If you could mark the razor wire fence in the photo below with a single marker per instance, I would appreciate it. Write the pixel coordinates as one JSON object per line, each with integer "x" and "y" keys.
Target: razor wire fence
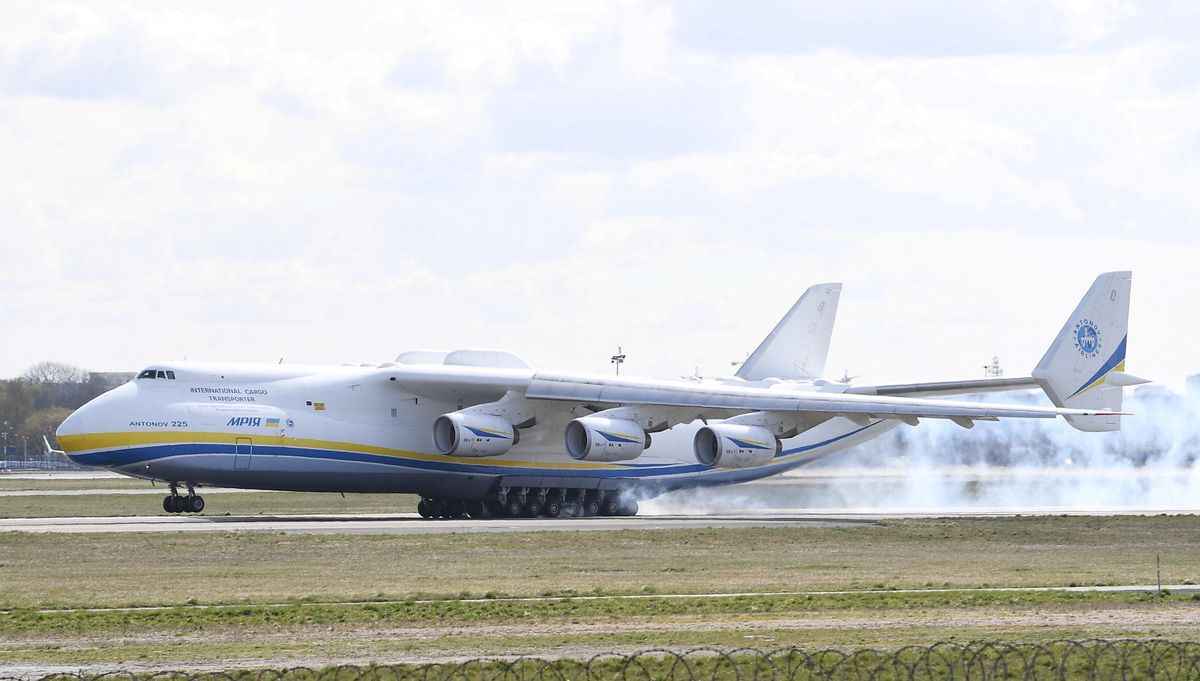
{"x": 1099, "y": 660}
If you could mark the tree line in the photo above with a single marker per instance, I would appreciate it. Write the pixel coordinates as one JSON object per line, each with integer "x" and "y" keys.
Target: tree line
{"x": 38, "y": 401}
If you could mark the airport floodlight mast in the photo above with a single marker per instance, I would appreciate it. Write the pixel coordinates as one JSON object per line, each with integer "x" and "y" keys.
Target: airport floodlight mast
{"x": 993, "y": 370}
{"x": 618, "y": 359}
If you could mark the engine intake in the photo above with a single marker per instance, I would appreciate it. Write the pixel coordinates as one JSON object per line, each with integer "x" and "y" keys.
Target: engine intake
{"x": 729, "y": 445}
{"x": 596, "y": 438}
{"x": 471, "y": 434}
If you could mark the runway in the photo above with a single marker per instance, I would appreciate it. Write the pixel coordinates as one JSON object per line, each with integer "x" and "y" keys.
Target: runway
{"x": 410, "y": 523}
{"x": 407, "y": 523}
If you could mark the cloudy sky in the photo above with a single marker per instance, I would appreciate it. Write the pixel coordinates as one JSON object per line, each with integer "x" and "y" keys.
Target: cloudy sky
{"x": 250, "y": 181}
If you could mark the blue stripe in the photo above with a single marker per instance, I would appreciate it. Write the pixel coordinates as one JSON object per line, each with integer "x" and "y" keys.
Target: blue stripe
{"x": 613, "y": 437}
{"x": 1117, "y": 357}
{"x": 142, "y": 454}
{"x": 484, "y": 433}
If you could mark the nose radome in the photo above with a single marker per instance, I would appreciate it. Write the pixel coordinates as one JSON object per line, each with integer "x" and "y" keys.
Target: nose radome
{"x": 75, "y": 424}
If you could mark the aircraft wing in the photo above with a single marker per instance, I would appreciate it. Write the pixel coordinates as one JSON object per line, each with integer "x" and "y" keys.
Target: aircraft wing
{"x": 608, "y": 391}
{"x": 935, "y": 389}
{"x": 478, "y": 385}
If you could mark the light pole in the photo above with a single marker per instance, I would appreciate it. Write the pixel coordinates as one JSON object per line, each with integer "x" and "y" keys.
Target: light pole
{"x": 618, "y": 359}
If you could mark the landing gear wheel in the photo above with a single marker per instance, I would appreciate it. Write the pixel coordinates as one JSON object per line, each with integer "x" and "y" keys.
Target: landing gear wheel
{"x": 591, "y": 508}
{"x": 533, "y": 508}
{"x": 571, "y": 509}
{"x": 494, "y": 508}
{"x": 455, "y": 509}
{"x": 513, "y": 508}
{"x": 194, "y": 504}
{"x": 610, "y": 507}
{"x": 474, "y": 509}
{"x": 629, "y": 508}
{"x": 423, "y": 509}
{"x": 553, "y": 508}
{"x": 169, "y": 504}
{"x": 437, "y": 508}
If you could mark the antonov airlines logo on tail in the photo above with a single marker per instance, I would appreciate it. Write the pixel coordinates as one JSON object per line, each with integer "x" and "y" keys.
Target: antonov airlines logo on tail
{"x": 1087, "y": 338}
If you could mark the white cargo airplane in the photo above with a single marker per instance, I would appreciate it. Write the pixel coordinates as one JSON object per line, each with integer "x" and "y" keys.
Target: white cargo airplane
{"x": 478, "y": 433}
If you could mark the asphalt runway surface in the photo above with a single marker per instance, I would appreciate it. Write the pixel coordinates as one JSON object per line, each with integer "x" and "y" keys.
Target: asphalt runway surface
{"x": 405, "y": 523}
{"x": 410, "y": 523}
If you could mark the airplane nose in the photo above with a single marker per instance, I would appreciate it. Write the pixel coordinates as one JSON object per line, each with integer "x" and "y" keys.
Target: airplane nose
{"x": 75, "y": 424}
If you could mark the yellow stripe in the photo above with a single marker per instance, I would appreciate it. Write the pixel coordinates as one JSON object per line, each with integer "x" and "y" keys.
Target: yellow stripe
{"x": 1120, "y": 367}
{"x": 76, "y": 444}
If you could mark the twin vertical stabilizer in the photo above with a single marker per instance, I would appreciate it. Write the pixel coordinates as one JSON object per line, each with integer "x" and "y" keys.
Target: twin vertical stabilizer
{"x": 1085, "y": 366}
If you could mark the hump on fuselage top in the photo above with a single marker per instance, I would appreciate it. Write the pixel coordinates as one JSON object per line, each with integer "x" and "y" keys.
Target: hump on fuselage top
{"x": 496, "y": 359}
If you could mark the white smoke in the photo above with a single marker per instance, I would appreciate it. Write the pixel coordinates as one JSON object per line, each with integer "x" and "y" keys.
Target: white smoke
{"x": 1011, "y": 466}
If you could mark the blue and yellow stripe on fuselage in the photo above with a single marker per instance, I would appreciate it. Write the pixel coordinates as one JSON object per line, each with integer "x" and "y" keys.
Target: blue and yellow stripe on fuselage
{"x": 128, "y": 451}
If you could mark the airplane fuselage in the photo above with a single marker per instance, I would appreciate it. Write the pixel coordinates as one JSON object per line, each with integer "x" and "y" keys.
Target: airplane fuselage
{"x": 346, "y": 429}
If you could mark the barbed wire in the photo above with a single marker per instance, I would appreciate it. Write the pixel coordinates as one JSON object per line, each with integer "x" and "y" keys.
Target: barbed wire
{"x": 1091, "y": 660}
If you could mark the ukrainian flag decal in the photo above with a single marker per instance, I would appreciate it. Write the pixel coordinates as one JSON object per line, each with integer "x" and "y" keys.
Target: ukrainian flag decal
{"x": 271, "y": 423}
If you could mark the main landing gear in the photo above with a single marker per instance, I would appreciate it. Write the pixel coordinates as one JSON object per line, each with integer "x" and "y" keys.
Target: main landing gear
{"x": 174, "y": 503}
{"x": 531, "y": 503}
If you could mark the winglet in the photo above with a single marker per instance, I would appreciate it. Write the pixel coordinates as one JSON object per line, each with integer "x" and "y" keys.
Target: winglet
{"x": 1085, "y": 366}
{"x": 799, "y": 343}
{"x": 49, "y": 449}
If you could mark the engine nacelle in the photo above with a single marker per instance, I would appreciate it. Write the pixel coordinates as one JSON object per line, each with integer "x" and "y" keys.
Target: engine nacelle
{"x": 472, "y": 434}
{"x": 729, "y": 445}
{"x": 596, "y": 438}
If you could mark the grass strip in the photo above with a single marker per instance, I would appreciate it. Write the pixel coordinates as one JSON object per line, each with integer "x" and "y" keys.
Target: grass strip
{"x": 428, "y": 613}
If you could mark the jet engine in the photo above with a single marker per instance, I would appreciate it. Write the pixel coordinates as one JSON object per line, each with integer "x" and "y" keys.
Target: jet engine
{"x": 465, "y": 433}
{"x": 596, "y": 438}
{"x": 729, "y": 445}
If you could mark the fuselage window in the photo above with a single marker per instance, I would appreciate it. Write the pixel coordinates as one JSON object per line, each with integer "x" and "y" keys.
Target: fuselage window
{"x": 148, "y": 373}
{"x": 162, "y": 374}
{"x": 171, "y": 375}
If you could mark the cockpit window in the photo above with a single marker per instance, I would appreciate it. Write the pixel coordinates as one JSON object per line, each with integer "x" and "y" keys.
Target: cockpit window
{"x": 157, "y": 373}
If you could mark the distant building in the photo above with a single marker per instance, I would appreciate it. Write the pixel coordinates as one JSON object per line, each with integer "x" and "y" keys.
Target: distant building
{"x": 111, "y": 379}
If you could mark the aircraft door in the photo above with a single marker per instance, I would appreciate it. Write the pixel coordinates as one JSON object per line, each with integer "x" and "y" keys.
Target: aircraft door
{"x": 243, "y": 448}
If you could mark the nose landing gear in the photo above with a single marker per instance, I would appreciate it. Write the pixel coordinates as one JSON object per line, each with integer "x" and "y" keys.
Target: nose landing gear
{"x": 174, "y": 503}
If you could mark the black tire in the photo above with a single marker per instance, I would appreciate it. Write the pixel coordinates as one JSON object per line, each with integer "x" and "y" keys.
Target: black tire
{"x": 513, "y": 508}
{"x": 494, "y": 509}
{"x": 475, "y": 509}
{"x": 610, "y": 507}
{"x": 629, "y": 508}
{"x": 533, "y": 508}
{"x": 169, "y": 504}
{"x": 553, "y": 508}
{"x": 591, "y": 508}
{"x": 571, "y": 509}
{"x": 437, "y": 508}
{"x": 456, "y": 509}
{"x": 423, "y": 509}
{"x": 195, "y": 504}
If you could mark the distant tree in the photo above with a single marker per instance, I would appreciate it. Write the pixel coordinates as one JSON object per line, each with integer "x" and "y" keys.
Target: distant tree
{"x": 54, "y": 372}
{"x": 17, "y": 399}
{"x": 42, "y": 422}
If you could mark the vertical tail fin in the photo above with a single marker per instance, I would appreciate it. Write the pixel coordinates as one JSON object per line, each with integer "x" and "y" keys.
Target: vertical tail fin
{"x": 797, "y": 346}
{"x": 1084, "y": 367}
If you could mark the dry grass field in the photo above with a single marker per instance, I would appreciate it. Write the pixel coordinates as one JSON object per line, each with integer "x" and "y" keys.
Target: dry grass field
{"x": 269, "y": 598}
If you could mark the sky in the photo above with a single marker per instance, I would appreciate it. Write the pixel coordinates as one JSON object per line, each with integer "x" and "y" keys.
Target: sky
{"x": 256, "y": 181}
